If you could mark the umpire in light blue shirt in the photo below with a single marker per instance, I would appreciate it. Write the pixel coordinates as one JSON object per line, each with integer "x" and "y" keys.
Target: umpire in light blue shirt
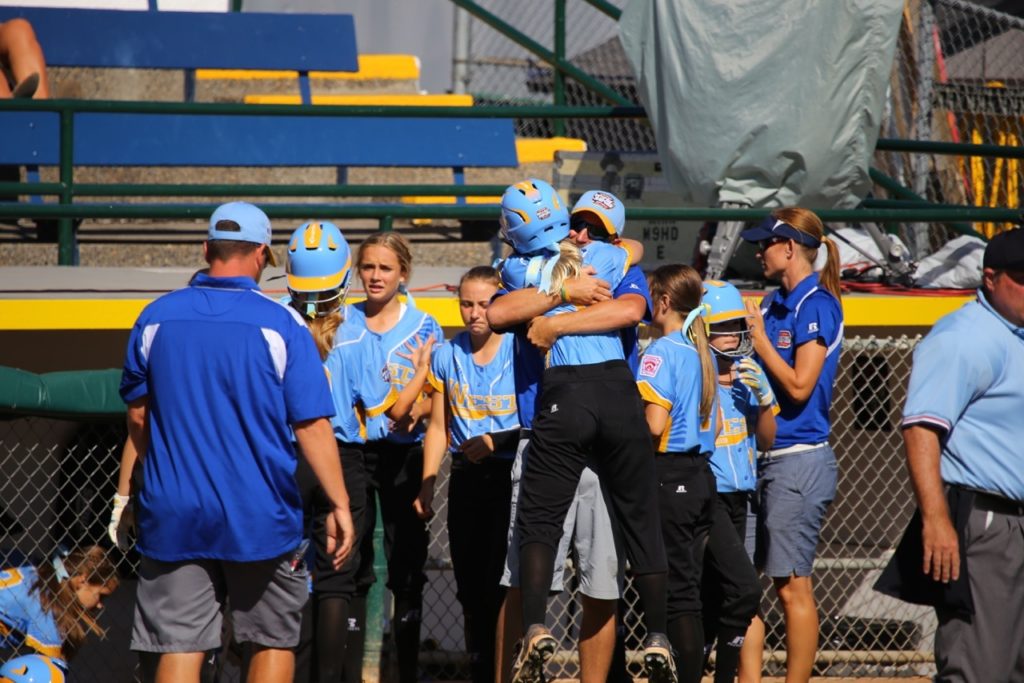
{"x": 963, "y": 428}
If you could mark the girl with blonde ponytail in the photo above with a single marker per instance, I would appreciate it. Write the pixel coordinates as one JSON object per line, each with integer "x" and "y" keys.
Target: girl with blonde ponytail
{"x": 797, "y": 334}
{"x": 678, "y": 382}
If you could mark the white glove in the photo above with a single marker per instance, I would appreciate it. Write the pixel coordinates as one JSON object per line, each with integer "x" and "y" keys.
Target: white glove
{"x": 122, "y": 522}
{"x": 750, "y": 373}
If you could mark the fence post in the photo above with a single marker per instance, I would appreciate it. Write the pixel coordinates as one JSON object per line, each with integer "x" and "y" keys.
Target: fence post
{"x": 373, "y": 650}
{"x": 559, "y": 84}
{"x": 67, "y": 250}
{"x": 386, "y": 223}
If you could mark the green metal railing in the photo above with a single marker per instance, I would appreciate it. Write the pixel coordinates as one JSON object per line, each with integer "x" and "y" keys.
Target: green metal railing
{"x": 910, "y": 207}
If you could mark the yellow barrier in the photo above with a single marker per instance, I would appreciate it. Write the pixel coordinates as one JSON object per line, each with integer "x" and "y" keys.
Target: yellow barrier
{"x": 382, "y": 100}
{"x": 371, "y": 68}
{"x": 120, "y": 314}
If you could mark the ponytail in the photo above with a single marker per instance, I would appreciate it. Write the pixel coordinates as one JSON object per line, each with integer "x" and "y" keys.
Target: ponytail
{"x": 698, "y": 334}
{"x": 569, "y": 264}
{"x": 829, "y": 276}
{"x": 684, "y": 289}
{"x": 324, "y": 330}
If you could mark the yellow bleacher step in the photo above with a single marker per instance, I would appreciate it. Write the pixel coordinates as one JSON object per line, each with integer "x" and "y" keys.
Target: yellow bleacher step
{"x": 380, "y": 100}
{"x": 371, "y": 68}
{"x": 528, "y": 151}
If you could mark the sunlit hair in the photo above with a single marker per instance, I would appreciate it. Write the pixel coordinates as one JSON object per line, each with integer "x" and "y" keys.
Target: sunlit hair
{"x": 482, "y": 274}
{"x": 58, "y": 597}
{"x": 807, "y": 221}
{"x": 685, "y": 289}
{"x": 568, "y": 265}
{"x": 398, "y": 245}
{"x": 323, "y": 330}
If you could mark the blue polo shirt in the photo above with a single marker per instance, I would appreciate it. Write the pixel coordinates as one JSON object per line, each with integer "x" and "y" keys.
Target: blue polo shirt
{"x": 967, "y": 382}
{"x": 806, "y": 314}
{"x": 226, "y": 371}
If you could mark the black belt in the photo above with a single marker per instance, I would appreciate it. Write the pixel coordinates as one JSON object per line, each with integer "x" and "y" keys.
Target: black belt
{"x": 993, "y": 503}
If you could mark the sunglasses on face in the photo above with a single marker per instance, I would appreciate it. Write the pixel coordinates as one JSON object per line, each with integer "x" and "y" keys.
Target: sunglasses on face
{"x": 764, "y": 244}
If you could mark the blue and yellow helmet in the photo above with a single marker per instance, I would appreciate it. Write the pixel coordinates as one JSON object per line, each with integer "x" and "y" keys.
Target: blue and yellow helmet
{"x": 725, "y": 303}
{"x": 533, "y": 217}
{"x": 319, "y": 268}
{"x": 32, "y": 669}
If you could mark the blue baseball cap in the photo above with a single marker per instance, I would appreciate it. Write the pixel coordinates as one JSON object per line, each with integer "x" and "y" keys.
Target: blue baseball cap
{"x": 241, "y": 222}
{"x": 606, "y": 208}
{"x": 773, "y": 227}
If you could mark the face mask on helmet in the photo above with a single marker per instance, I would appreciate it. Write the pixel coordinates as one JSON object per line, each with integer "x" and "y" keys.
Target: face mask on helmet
{"x": 732, "y": 328}
{"x": 319, "y": 304}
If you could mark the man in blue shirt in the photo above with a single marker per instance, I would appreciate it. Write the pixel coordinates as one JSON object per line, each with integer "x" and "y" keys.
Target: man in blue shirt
{"x": 216, "y": 377}
{"x": 963, "y": 430}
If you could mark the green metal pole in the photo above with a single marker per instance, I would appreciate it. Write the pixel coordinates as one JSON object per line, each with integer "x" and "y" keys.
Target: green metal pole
{"x": 387, "y": 223}
{"x": 236, "y": 5}
{"x": 374, "y": 626}
{"x": 65, "y": 226}
{"x": 559, "y": 124}
{"x": 536, "y": 48}
{"x": 892, "y": 185}
{"x": 606, "y": 7}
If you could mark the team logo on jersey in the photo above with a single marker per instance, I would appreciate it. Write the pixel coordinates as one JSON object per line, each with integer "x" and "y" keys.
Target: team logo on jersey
{"x": 813, "y": 327}
{"x": 785, "y": 339}
{"x": 543, "y": 213}
{"x": 385, "y": 374}
{"x": 603, "y": 200}
{"x": 649, "y": 365}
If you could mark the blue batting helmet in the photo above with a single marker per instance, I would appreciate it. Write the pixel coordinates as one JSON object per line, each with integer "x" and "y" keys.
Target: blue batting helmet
{"x": 725, "y": 303}
{"x": 319, "y": 268}
{"x": 31, "y": 669}
{"x": 533, "y": 217}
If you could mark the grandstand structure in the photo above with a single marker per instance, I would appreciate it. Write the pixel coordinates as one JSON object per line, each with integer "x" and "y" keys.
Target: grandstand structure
{"x": 546, "y": 83}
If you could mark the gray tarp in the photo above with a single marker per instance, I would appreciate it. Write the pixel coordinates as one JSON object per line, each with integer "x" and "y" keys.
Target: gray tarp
{"x": 764, "y": 103}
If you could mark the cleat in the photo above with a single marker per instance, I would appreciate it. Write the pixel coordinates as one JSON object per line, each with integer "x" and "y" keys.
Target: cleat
{"x": 658, "y": 660}
{"x": 534, "y": 651}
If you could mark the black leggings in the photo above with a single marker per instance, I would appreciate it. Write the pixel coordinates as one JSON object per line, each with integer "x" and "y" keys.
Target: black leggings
{"x": 479, "y": 498}
{"x": 590, "y": 411}
{"x": 394, "y": 473}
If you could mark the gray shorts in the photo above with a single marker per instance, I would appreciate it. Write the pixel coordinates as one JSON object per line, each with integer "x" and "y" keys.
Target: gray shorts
{"x": 587, "y": 529}
{"x": 795, "y": 492}
{"x": 179, "y": 605}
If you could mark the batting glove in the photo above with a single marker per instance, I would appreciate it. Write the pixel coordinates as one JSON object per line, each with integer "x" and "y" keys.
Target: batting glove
{"x": 750, "y": 373}
{"x": 122, "y": 522}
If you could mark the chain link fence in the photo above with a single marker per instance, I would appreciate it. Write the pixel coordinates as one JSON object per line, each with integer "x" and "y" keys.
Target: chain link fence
{"x": 957, "y": 76}
{"x": 57, "y": 478}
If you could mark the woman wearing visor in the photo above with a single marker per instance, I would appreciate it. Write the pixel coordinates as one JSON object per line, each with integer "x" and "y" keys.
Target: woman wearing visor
{"x": 797, "y": 334}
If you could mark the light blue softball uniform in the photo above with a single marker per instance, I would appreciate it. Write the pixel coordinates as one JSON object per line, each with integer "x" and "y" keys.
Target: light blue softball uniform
{"x": 734, "y": 461}
{"x": 480, "y": 398}
{"x": 611, "y": 262}
{"x": 670, "y": 376}
{"x": 360, "y": 383}
{"x": 413, "y": 324}
{"x": 22, "y": 619}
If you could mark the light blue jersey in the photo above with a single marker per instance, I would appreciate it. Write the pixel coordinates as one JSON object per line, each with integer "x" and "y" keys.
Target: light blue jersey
{"x": 413, "y": 324}
{"x": 480, "y": 398}
{"x": 967, "y": 383}
{"x": 360, "y": 383}
{"x": 734, "y": 461}
{"x": 22, "y": 619}
{"x": 611, "y": 263}
{"x": 670, "y": 376}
